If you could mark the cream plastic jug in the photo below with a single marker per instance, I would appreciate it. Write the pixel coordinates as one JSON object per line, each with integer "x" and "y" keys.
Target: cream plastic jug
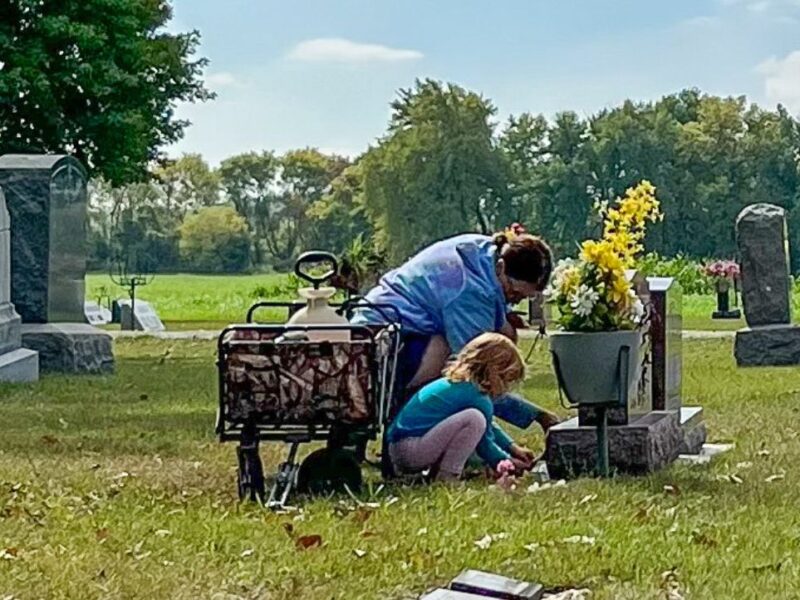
{"x": 317, "y": 310}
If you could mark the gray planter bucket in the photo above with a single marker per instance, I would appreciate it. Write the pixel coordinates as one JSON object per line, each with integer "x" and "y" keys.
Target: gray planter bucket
{"x": 589, "y": 364}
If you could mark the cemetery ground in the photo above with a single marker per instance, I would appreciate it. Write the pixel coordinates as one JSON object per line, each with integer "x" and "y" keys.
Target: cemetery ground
{"x": 116, "y": 487}
{"x": 195, "y": 302}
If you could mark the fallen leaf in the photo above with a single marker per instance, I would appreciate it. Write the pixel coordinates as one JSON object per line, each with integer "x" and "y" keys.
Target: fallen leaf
{"x": 246, "y": 553}
{"x": 101, "y": 534}
{"x": 362, "y": 515}
{"x": 360, "y": 553}
{"x": 576, "y": 594}
{"x": 699, "y": 537}
{"x": 367, "y": 534}
{"x": 643, "y": 513}
{"x": 764, "y": 453}
{"x": 50, "y": 440}
{"x": 484, "y": 542}
{"x": 776, "y": 477}
{"x": 672, "y": 490}
{"x": 579, "y": 539}
{"x": 9, "y": 553}
{"x": 422, "y": 531}
{"x": 532, "y": 547}
{"x": 304, "y": 542}
{"x": 488, "y": 540}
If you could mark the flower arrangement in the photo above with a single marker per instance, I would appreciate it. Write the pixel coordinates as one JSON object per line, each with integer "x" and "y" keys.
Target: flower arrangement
{"x": 722, "y": 269}
{"x": 592, "y": 292}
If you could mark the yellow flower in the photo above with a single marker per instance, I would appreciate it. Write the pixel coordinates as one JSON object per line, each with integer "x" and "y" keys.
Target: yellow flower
{"x": 620, "y": 288}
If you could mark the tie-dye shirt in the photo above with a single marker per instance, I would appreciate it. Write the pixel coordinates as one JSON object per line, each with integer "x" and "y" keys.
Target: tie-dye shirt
{"x": 450, "y": 288}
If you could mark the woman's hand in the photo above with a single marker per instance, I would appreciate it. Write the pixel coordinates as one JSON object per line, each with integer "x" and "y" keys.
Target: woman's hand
{"x": 516, "y": 321}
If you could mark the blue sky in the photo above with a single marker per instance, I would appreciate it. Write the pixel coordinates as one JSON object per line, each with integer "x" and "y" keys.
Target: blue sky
{"x": 321, "y": 73}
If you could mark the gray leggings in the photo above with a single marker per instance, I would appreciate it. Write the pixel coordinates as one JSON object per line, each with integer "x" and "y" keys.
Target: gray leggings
{"x": 444, "y": 449}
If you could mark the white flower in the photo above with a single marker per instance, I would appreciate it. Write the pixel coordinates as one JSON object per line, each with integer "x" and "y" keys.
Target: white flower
{"x": 584, "y": 300}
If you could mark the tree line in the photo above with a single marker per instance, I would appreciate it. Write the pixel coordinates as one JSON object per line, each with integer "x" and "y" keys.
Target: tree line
{"x": 444, "y": 167}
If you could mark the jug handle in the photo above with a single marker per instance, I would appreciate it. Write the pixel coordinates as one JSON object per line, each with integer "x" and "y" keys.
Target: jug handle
{"x": 312, "y": 258}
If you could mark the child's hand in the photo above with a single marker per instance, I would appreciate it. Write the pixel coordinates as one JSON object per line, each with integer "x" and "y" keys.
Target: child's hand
{"x": 522, "y": 457}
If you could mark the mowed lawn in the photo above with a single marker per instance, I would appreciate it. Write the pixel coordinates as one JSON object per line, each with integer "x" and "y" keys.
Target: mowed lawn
{"x": 115, "y": 487}
{"x": 211, "y": 302}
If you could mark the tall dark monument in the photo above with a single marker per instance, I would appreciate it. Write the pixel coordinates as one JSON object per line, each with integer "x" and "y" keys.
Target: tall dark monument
{"x": 46, "y": 199}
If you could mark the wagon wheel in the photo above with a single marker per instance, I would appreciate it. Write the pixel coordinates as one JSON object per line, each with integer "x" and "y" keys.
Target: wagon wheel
{"x": 250, "y": 475}
{"x": 329, "y": 470}
{"x": 343, "y": 437}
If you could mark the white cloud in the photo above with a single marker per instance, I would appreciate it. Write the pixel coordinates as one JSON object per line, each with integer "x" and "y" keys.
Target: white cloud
{"x": 782, "y": 80}
{"x": 346, "y": 51}
{"x": 223, "y": 79}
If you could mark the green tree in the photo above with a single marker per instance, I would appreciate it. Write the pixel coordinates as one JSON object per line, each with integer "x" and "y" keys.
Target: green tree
{"x": 215, "y": 239}
{"x": 99, "y": 79}
{"x": 132, "y": 224}
{"x": 436, "y": 172}
{"x": 249, "y": 182}
{"x": 188, "y": 183}
{"x": 338, "y": 218}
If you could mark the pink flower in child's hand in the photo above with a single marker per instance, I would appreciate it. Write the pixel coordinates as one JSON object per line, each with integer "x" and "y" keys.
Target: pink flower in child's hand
{"x": 505, "y": 467}
{"x": 505, "y": 470}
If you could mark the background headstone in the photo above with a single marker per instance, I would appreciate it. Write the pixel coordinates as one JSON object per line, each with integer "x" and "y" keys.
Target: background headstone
{"x": 17, "y": 364}
{"x": 46, "y": 197}
{"x": 762, "y": 238}
{"x": 95, "y": 314}
{"x": 770, "y": 339}
{"x": 143, "y": 319}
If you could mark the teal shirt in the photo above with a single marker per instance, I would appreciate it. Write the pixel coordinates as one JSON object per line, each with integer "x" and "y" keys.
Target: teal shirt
{"x": 441, "y": 399}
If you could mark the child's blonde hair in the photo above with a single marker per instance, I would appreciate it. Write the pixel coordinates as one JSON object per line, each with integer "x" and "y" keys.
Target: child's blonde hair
{"x": 491, "y": 361}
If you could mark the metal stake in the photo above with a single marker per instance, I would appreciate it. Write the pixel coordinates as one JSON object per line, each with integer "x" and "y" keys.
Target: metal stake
{"x": 602, "y": 442}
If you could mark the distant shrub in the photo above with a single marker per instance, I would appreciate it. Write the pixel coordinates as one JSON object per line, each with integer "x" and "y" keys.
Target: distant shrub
{"x": 688, "y": 273}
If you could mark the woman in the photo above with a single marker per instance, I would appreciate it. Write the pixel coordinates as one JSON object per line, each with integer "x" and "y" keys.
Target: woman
{"x": 452, "y": 292}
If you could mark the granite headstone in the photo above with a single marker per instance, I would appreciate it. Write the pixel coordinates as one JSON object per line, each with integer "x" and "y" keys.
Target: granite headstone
{"x": 95, "y": 314}
{"x": 642, "y": 442}
{"x": 46, "y": 197}
{"x": 770, "y": 339}
{"x": 17, "y": 364}
{"x": 143, "y": 319}
{"x": 764, "y": 248}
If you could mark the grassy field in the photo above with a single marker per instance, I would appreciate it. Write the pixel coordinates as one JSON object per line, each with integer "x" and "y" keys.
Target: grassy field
{"x": 211, "y": 302}
{"x": 115, "y": 487}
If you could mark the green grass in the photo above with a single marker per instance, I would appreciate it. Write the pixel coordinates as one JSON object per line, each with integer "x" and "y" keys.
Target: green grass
{"x": 186, "y": 302}
{"x": 115, "y": 487}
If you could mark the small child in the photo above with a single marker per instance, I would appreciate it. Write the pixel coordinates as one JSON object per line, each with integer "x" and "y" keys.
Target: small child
{"x": 451, "y": 418}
